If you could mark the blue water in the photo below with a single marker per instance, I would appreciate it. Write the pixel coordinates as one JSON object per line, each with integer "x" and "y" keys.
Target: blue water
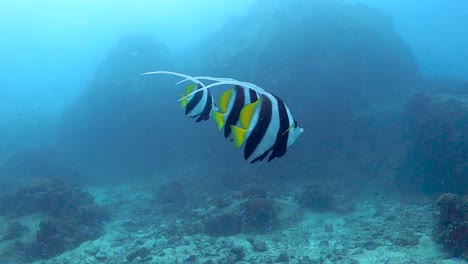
{"x": 379, "y": 86}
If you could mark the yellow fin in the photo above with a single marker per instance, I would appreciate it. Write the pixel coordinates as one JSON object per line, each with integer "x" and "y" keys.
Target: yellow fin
{"x": 247, "y": 113}
{"x": 219, "y": 119}
{"x": 190, "y": 88}
{"x": 183, "y": 100}
{"x": 239, "y": 135}
{"x": 224, "y": 100}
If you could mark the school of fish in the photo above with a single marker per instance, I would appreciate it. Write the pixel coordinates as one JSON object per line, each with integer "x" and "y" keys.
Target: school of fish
{"x": 248, "y": 115}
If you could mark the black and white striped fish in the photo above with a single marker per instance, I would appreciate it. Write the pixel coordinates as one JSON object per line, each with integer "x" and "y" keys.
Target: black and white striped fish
{"x": 199, "y": 104}
{"x": 230, "y": 105}
{"x": 253, "y": 117}
{"x": 266, "y": 126}
{"x": 267, "y": 129}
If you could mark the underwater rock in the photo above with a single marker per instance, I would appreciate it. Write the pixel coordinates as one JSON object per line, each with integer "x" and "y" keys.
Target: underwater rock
{"x": 94, "y": 214}
{"x": 73, "y": 216}
{"x": 101, "y": 256}
{"x": 283, "y": 258}
{"x": 254, "y": 192}
{"x": 315, "y": 199}
{"x": 58, "y": 235}
{"x": 451, "y": 229}
{"x": 191, "y": 259}
{"x": 51, "y": 238}
{"x": 172, "y": 196}
{"x": 113, "y": 124}
{"x": 236, "y": 254}
{"x": 222, "y": 202}
{"x": 259, "y": 214}
{"x": 436, "y": 129}
{"x": 15, "y": 230}
{"x": 450, "y": 208}
{"x": 223, "y": 225}
{"x": 48, "y": 195}
{"x": 259, "y": 246}
{"x": 406, "y": 239}
{"x": 141, "y": 252}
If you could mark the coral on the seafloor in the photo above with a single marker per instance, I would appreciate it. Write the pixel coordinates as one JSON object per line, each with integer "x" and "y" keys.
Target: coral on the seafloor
{"x": 316, "y": 199}
{"x": 141, "y": 253}
{"x": 451, "y": 229}
{"x": 171, "y": 196}
{"x": 72, "y": 217}
{"x": 223, "y": 225}
{"x": 47, "y": 195}
{"x": 15, "y": 230}
{"x": 259, "y": 214}
{"x": 254, "y": 192}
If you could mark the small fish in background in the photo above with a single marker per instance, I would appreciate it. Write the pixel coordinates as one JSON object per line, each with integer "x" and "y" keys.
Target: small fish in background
{"x": 256, "y": 119}
{"x": 230, "y": 105}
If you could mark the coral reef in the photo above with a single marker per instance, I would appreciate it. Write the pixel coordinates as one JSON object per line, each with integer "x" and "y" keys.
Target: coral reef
{"x": 223, "y": 225}
{"x": 72, "y": 216}
{"x": 47, "y": 195}
{"x": 259, "y": 214}
{"x": 254, "y": 192}
{"x": 171, "y": 196}
{"x": 15, "y": 230}
{"x": 316, "y": 199}
{"x": 451, "y": 229}
{"x": 138, "y": 253}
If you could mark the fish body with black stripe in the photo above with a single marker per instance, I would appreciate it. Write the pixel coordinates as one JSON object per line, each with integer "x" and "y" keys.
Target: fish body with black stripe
{"x": 251, "y": 117}
{"x": 230, "y": 105}
{"x": 266, "y": 127}
{"x": 199, "y": 104}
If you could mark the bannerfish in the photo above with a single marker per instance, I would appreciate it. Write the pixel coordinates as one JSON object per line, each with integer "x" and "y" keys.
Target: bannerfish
{"x": 265, "y": 127}
{"x": 230, "y": 105}
{"x": 197, "y": 104}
